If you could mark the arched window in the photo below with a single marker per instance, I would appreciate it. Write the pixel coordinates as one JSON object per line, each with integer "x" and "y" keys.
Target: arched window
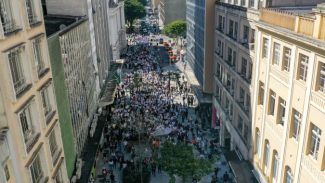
{"x": 288, "y": 175}
{"x": 257, "y": 141}
{"x": 275, "y": 166}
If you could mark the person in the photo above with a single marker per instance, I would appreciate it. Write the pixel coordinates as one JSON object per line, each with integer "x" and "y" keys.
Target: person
{"x": 216, "y": 170}
{"x": 112, "y": 177}
{"x": 214, "y": 179}
{"x": 225, "y": 177}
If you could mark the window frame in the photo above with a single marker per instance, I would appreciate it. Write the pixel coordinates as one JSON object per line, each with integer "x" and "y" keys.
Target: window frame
{"x": 286, "y": 61}
{"x": 303, "y": 67}
{"x": 38, "y": 170}
{"x": 321, "y": 77}
{"x": 272, "y": 97}
{"x": 315, "y": 139}
{"x": 296, "y": 122}
{"x": 276, "y": 53}
{"x": 265, "y": 48}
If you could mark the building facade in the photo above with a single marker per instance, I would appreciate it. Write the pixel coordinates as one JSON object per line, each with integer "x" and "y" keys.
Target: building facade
{"x": 167, "y": 13}
{"x": 234, "y": 56}
{"x": 117, "y": 31}
{"x": 288, "y": 129}
{"x": 103, "y": 47}
{"x": 31, "y": 147}
{"x": 200, "y": 29}
{"x": 78, "y": 71}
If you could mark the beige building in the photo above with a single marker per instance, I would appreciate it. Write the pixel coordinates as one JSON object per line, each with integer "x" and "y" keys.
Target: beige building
{"x": 288, "y": 128}
{"x": 30, "y": 136}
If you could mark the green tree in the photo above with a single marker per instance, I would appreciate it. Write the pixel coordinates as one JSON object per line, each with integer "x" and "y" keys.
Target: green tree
{"x": 176, "y": 29}
{"x": 133, "y": 10}
{"x": 180, "y": 160}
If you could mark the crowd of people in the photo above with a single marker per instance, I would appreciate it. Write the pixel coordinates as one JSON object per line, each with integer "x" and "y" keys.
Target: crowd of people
{"x": 150, "y": 107}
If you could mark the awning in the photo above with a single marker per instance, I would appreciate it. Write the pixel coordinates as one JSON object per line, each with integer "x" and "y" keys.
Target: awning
{"x": 108, "y": 92}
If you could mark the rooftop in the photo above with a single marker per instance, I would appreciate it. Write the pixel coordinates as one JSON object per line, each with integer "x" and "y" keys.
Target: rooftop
{"x": 54, "y": 23}
{"x": 300, "y": 10}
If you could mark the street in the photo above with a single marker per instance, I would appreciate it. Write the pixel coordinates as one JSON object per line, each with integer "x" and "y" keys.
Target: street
{"x": 154, "y": 104}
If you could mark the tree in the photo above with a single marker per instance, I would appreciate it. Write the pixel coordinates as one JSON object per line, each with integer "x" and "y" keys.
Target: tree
{"x": 180, "y": 160}
{"x": 176, "y": 29}
{"x": 133, "y": 10}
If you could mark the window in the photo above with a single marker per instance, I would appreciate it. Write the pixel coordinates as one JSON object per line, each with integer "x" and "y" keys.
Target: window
{"x": 46, "y": 101}
{"x": 257, "y": 141}
{"x": 248, "y": 102}
{"x": 36, "y": 170}
{"x": 303, "y": 67}
{"x": 276, "y": 54}
{"x": 220, "y": 23}
{"x": 219, "y": 71}
{"x": 272, "y": 102}
{"x": 252, "y": 40}
{"x": 282, "y": 110}
{"x": 31, "y": 11}
{"x": 261, "y": 93}
{"x": 275, "y": 166}
{"x": 52, "y": 143}
{"x": 243, "y": 2}
{"x": 251, "y": 3}
{"x": 314, "y": 141}
{"x": 321, "y": 85}
{"x": 265, "y": 48}
{"x": 245, "y": 133}
{"x": 241, "y": 95}
{"x": 7, "y": 172}
{"x": 229, "y": 55}
{"x": 235, "y": 1}
{"x": 58, "y": 177}
{"x": 288, "y": 176}
{"x": 245, "y": 34}
{"x": 296, "y": 124}
{"x": 240, "y": 124}
{"x": 236, "y": 30}
{"x": 26, "y": 123}
{"x": 266, "y": 156}
{"x": 6, "y": 16}
{"x": 231, "y": 28}
{"x": 286, "y": 59}
{"x": 38, "y": 56}
{"x": 16, "y": 68}
{"x": 243, "y": 71}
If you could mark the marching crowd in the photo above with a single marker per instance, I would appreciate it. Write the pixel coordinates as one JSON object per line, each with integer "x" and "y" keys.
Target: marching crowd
{"x": 149, "y": 105}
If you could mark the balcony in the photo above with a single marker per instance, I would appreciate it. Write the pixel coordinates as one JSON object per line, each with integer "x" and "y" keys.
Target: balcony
{"x": 312, "y": 24}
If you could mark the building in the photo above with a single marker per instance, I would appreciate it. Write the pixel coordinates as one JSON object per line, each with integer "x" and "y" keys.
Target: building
{"x": 200, "y": 29}
{"x": 102, "y": 39}
{"x": 31, "y": 147}
{"x": 167, "y": 13}
{"x": 288, "y": 109}
{"x": 74, "y": 79}
{"x": 117, "y": 30}
{"x": 234, "y": 56}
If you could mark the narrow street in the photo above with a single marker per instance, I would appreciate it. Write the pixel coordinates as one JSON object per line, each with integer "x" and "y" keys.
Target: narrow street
{"x": 153, "y": 104}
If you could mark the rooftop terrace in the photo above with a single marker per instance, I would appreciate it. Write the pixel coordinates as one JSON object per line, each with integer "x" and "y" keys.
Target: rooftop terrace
{"x": 304, "y": 20}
